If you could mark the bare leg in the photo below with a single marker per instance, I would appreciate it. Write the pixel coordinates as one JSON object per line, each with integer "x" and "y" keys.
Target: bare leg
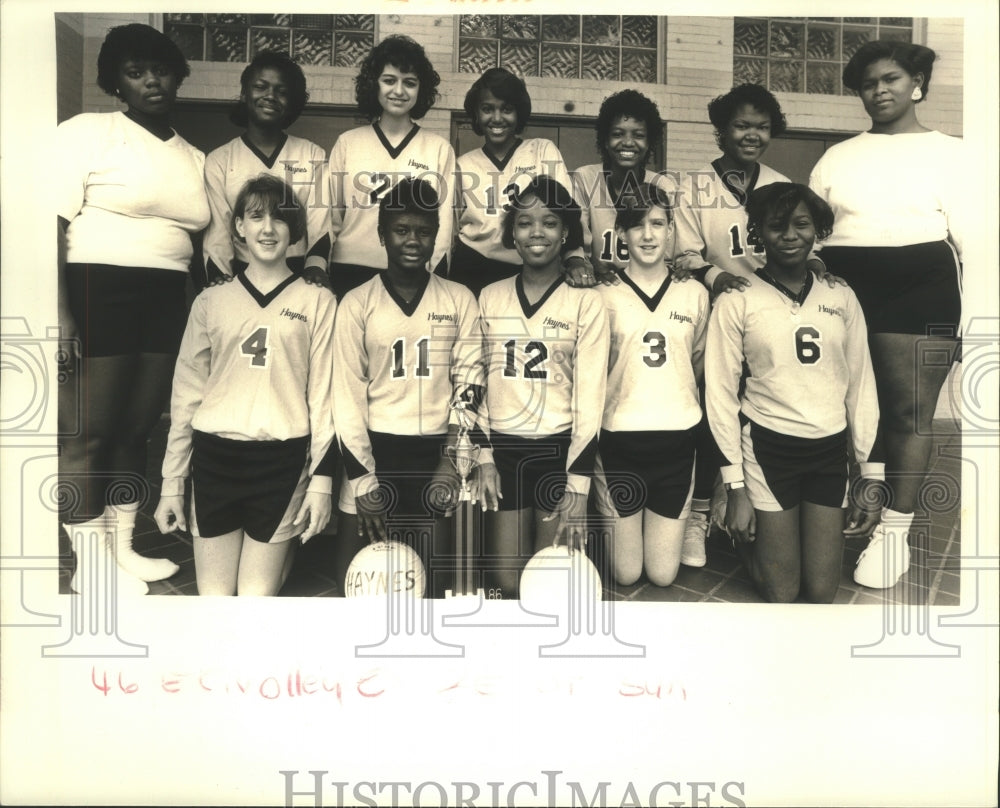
{"x": 774, "y": 558}
{"x": 822, "y": 551}
{"x": 217, "y": 563}
{"x": 664, "y": 538}
{"x": 627, "y": 550}
{"x": 261, "y": 565}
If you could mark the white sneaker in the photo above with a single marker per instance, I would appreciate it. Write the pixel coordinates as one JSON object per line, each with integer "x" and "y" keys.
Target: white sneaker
{"x": 881, "y": 565}
{"x": 695, "y": 533}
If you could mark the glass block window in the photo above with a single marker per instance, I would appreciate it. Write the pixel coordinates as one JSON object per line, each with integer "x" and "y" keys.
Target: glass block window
{"x": 806, "y": 54}
{"x": 602, "y": 47}
{"x": 341, "y": 40}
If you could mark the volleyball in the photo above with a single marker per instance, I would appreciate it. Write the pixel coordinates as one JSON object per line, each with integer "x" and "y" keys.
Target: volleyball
{"x": 555, "y": 574}
{"x": 385, "y": 568}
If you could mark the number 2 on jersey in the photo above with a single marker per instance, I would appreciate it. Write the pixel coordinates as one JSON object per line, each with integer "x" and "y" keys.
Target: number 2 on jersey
{"x": 422, "y": 369}
{"x": 255, "y": 346}
{"x": 531, "y": 370}
{"x": 753, "y": 242}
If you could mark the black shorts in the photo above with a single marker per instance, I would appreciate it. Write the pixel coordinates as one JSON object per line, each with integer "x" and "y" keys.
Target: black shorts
{"x": 121, "y": 311}
{"x": 252, "y": 485}
{"x": 475, "y": 271}
{"x": 404, "y": 465}
{"x": 649, "y": 470}
{"x": 782, "y": 471}
{"x": 532, "y": 470}
{"x": 914, "y": 289}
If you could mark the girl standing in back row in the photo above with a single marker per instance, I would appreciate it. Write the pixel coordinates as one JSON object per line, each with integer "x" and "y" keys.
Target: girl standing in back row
{"x": 395, "y": 87}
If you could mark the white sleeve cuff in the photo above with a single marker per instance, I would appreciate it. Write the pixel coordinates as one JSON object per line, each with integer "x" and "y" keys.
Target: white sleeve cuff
{"x": 873, "y": 471}
{"x": 320, "y": 484}
{"x": 732, "y": 474}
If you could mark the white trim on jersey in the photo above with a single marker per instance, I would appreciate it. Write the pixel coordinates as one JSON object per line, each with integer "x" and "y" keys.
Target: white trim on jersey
{"x": 810, "y": 373}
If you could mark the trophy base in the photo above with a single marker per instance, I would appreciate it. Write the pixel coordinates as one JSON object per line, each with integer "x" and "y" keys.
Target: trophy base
{"x": 478, "y": 593}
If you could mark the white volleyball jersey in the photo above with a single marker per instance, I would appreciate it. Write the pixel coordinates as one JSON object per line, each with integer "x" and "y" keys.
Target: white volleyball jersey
{"x": 487, "y": 186}
{"x": 300, "y": 163}
{"x": 598, "y": 206}
{"x": 810, "y": 373}
{"x": 253, "y": 366}
{"x": 547, "y": 366}
{"x": 657, "y": 353}
{"x": 363, "y": 167}
{"x": 711, "y": 222}
{"x": 399, "y": 367}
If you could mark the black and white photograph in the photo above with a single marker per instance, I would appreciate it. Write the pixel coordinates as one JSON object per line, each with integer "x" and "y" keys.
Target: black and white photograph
{"x": 423, "y": 407}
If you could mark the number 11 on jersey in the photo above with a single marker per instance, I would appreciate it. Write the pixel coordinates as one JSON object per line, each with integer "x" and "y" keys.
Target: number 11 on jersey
{"x": 422, "y": 368}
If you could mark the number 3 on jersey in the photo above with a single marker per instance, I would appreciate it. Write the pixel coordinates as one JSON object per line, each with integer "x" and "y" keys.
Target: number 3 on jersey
{"x": 255, "y": 346}
{"x": 657, "y": 356}
{"x": 807, "y": 340}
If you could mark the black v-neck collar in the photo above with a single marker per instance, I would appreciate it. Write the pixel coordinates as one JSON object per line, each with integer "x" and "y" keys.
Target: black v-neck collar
{"x": 652, "y": 303}
{"x": 395, "y": 151}
{"x": 526, "y": 307}
{"x": 741, "y": 194}
{"x": 799, "y": 298}
{"x": 406, "y": 308}
{"x": 268, "y": 161}
{"x": 502, "y": 164}
{"x": 265, "y": 300}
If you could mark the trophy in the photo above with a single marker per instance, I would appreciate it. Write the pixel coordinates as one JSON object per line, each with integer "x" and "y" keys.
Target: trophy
{"x": 464, "y": 455}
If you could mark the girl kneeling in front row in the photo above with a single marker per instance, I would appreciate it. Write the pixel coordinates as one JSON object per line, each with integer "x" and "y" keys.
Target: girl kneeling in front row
{"x": 810, "y": 377}
{"x": 250, "y": 417}
{"x": 648, "y": 436}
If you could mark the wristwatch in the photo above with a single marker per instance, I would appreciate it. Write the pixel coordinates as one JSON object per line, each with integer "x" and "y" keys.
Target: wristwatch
{"x": 734, "y": 485}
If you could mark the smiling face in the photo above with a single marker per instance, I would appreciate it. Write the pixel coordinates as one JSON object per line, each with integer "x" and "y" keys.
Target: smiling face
{"x": 409, "y": 240}
{"x": 147, "y": 87}
{"x": 498, "y": 121}
{"x": 266, "y": 98}
{"x": 538, "y": 234}
{"x": 628, "y": 142}
{"x": 266, "y": 235}
{"x": 886, "y": 91}
{"x": 397, "y": 91}
{"x": 788, "y": 242}
{"x": 650, "y": 241}
{"x": 747, "y": 135}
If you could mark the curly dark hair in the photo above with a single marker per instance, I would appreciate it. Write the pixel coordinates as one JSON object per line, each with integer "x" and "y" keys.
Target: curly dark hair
{"x": 909, "y": 56}
{"x": 505, "y": 86}
{"x": 722, "y": 108}
{"x": 633, "y": 207}
{"x": 779, "y": 199}
{"x": 406, "y": 55}
{"x": 557, "y": 199}
{"x": 291, "y": 74}
{"x": 268, "y": 193}
{"x": 409, "y": 195}
{"x": 635, "y": 105}
{"x": 140, "y": 42}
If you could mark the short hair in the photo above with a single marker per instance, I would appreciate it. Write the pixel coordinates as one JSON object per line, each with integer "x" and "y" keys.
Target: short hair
{"x": 505, "y": 86}
{"x": 633, "y": 207}
{"x": 554, "y": 197}
{"x": 722, "y": 109}
{"x": 635, "y": 105}
{"x": 291, "y": 74}
{"x": 267, "y": 193}
{"x": 909, "y": 56}
{"x": 409, "y": 195}
{"x": 406, "y": 55}
{"x": 779, "y": 199}
{"x": 137, "y": 41}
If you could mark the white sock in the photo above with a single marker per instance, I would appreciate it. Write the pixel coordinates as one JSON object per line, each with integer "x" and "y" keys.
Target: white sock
{"x": 122, "y": 519}
{"x": 90, "y": 545}
{"x": 896, "y": 526}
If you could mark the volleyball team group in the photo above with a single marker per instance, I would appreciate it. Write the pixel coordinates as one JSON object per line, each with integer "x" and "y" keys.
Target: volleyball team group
{"x": 620, "y": 343}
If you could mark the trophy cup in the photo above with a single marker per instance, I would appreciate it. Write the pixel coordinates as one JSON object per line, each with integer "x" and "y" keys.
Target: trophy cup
{"x": 464, "y": 455}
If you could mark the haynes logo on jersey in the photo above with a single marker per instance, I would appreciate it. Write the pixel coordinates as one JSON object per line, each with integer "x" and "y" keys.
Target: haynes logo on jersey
{"x": 837, "y": 312}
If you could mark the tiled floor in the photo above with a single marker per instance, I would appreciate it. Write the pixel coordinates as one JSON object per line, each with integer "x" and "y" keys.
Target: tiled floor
{"x": 933, "y": 577}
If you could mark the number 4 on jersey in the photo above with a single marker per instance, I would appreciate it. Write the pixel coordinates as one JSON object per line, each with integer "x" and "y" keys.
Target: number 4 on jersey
{"x": 255, "y": 346}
